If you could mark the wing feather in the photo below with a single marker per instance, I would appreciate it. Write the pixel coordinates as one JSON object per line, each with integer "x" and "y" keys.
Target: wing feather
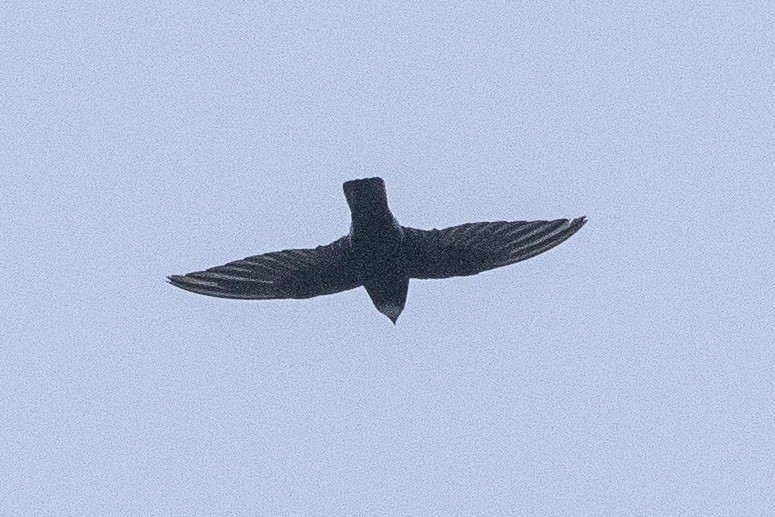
{"x": 299, "y": 273}
{"x": 471, "y": 248}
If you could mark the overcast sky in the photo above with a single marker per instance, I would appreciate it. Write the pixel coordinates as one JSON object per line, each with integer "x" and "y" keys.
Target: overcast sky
{"x": 627, "y": 372}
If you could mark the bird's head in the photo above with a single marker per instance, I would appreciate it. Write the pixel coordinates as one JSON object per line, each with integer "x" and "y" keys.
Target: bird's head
{"x": 366, "y": 195}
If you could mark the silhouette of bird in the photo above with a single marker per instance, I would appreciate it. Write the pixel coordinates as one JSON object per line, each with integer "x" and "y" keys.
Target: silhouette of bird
{"x": 380, "y": 255}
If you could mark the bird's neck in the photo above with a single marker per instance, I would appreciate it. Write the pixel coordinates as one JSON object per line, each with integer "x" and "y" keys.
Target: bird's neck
{"x": 373, "y": 222}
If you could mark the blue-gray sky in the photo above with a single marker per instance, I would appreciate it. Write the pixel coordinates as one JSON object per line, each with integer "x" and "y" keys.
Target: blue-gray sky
{"x": 627, "y": 372}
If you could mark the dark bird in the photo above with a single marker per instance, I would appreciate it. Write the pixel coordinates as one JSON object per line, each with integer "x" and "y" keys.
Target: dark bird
{"x": 380, "y": 255}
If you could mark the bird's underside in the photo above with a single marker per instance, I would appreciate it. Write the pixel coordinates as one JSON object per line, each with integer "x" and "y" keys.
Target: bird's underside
{"x": 461, "y": 250}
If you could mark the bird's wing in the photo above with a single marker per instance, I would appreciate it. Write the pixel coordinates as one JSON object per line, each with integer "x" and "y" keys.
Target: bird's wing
{"x": 301, "y": 273}
{"x": 471, "y": 248}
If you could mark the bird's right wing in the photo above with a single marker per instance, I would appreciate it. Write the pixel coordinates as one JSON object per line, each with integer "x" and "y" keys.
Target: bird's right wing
{"x": 301, "y": 273}
{"x": 471, "y": 248}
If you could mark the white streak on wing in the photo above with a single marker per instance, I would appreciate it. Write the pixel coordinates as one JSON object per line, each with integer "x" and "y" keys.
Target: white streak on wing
{"x": 235, "y": 269}
{"x": 223, "y": 276}
{"x": 503, "y": 228}
{"x": 267, "y": 264}
{"x": 197, "y": 281}
{"x": 521, "y": 228}
{"x": 549, "y": 236}
{"x": 538, "y": 250}
{"x": 550, "y": 241}
{"x": 523, "y": 238}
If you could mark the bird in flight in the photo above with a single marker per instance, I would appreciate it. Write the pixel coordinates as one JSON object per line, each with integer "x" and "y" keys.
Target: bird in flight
{"x": 380, "y": 255}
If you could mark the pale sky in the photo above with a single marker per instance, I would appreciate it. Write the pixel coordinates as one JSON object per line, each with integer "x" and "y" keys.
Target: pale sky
{"x": 629, "y": 371}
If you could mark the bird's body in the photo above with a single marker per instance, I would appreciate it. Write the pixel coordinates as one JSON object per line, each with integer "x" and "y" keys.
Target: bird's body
{"x": 377, "y": 242}
{"x": 380, "y": 255}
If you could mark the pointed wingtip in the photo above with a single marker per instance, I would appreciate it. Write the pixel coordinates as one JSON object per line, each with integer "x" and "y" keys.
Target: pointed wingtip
{"x": 177, "y": 280}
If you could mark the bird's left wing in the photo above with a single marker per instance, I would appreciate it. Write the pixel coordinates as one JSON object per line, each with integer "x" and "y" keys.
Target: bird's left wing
{"x": 471, "y": 248}
{"x": 301, "y": 273}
